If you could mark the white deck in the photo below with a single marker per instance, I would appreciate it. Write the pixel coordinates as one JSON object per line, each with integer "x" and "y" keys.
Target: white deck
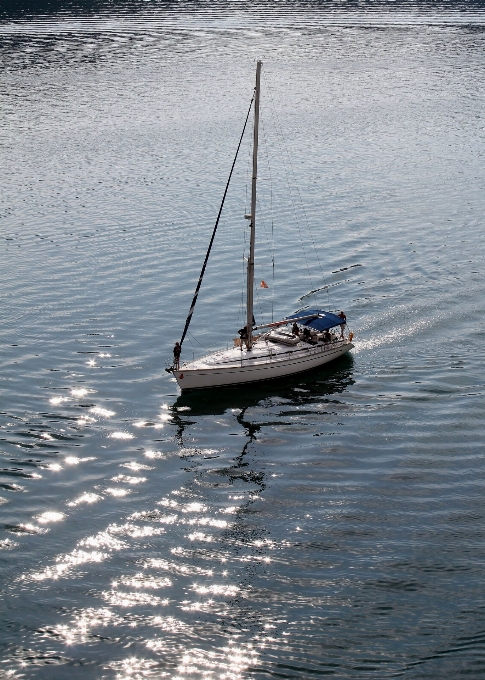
{"x": 265, "y": 361}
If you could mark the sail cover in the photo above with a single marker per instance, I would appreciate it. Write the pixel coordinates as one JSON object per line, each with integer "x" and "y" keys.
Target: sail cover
{"x": 319, "y": 320}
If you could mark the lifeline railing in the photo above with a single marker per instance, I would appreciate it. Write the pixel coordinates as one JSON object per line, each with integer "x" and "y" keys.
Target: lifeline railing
{"x": 321, "y": 348}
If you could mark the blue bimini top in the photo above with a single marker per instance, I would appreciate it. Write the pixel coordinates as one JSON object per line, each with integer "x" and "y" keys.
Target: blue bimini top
{"x": 317, "y": 319}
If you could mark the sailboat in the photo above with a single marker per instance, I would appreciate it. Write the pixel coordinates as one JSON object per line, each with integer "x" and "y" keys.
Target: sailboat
{"x": 298, "y": 343}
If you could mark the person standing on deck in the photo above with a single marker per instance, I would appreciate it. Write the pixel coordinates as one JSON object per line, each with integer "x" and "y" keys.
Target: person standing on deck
{"x": 342, "y": 325}
{"x": 177, "y": 350}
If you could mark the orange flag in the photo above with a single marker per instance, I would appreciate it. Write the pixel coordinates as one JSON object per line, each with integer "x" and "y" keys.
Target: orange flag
{"x": 264, "y": 284}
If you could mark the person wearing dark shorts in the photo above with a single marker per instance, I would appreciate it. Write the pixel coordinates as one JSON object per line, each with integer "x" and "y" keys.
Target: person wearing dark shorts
{"x": 177, "y": 350}
{"x": 342, "y": 325}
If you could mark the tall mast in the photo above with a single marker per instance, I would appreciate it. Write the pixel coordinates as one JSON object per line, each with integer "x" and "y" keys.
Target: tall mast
{"x": 250, "y": 276}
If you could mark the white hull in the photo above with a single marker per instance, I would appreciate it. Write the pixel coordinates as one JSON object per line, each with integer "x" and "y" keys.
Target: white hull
{"x": 263, "y": 362}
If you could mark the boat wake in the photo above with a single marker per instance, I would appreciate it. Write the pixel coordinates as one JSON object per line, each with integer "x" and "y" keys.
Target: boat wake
{"x": 393, "y": 336}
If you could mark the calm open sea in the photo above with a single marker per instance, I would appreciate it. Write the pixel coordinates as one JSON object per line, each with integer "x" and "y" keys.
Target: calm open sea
{"x": 332, "y": 524}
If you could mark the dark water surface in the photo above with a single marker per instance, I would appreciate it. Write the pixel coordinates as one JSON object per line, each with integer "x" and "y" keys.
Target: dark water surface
{"x": 327, "y": 525}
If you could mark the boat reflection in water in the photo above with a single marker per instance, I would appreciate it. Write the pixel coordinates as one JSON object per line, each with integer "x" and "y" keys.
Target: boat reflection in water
{"x": 232, "y": 444}
{"x": 308, "y": 387}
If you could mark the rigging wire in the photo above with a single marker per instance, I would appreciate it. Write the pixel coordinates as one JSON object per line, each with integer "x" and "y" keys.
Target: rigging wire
{"x": 272, "y": 284}
{"x": 270, "y": 243}
{"x": 262, "y": 221}
{"x": 260, "y": 305}
{"x": 246, "y": 229}
{"x": 278, "y": 126}
{"x": 199, "y": 283}
{"x": 192, "y": 337}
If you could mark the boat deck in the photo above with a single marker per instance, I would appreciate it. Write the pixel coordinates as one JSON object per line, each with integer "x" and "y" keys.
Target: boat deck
{"x": 263, "y": 351}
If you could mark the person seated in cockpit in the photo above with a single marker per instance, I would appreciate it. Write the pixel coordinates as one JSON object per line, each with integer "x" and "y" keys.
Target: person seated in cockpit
{"x": 309, "y": 336}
